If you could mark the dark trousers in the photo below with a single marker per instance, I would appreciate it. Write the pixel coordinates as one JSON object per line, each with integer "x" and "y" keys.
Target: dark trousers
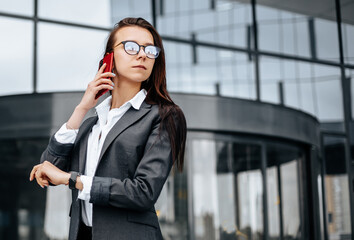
{"x": 85, "y": 232}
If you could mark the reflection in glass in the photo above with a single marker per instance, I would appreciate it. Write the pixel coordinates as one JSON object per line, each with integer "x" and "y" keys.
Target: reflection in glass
{"x": 223, "y": 72}
{"x": 290, "y": 200}
{"x": 68, "y": 57}
{"x": 205, "y": 194}
{"x": 250, "y": 204}
{"x": 326, "y": 40}
{"x": 227, "y": 191}
{"x": 313, "y": 88}
{"x": 249, "y": 201}
{"x": 299, "y": 32}
{"x": 87, "y": 12}
{"x": 348, "y": 39}
{"x": 131, "y": 8}
{"x": 171, "y": 207}
{"x": 284, "y": 191}
{"x": 283, "y": 31}
{"x": 225, "y": 22}
{"x": 273, "y": 203}
{"x": 16, "y": 58}
{"x": 337, "y": 189}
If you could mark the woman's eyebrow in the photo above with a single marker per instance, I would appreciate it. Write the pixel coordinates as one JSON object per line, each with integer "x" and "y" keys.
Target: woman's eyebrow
{"x": 148, "y": 43}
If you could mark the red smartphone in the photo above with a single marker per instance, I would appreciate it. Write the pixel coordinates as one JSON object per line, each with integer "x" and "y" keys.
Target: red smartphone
{"x": 108, "y": 59}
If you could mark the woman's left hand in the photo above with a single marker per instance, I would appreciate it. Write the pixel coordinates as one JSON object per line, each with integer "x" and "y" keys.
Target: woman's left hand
{"x": 46, "y": 172}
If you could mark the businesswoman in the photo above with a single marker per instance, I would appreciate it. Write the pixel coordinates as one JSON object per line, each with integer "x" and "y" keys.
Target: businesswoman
{"x": 117, "y": 162}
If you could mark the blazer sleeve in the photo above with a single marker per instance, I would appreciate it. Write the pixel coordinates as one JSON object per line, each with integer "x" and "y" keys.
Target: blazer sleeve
{"x": 60, "y": 154}
{"x": 141, "y": 192}
{"x": 57, "y": 153}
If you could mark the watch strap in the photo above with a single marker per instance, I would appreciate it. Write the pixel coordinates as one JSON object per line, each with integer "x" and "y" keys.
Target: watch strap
{"x": 72, "y": 180}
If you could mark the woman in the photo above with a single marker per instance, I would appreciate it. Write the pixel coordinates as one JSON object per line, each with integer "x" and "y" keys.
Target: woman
{"x": 117, "y": 162}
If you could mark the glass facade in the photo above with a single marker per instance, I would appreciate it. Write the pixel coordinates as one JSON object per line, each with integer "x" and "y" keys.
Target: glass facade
{"x": 228, "y": 175}
{"x": 62, "y": 47}
{"x": 20, "y": 61}
{"x": 276, "y": 52}
{"x": 337, "y": 190}
{"x": 22, "y": 205}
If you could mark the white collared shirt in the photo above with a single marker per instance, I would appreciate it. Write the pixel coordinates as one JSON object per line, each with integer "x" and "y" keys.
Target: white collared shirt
{"x": 106, "y": 120}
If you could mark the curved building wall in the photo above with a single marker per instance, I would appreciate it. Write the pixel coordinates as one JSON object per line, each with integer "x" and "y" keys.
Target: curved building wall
{"x": 41, "y": 114}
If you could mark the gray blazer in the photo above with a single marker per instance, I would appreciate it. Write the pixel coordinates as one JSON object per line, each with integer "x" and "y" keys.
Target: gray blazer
{"x": 135, "y": 161}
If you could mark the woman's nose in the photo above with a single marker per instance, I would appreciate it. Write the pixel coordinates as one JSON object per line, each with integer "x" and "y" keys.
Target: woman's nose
{"x": 141, "y": 52}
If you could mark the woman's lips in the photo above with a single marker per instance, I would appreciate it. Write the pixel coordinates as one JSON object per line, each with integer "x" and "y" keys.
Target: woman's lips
{"x": 140, "y": 66}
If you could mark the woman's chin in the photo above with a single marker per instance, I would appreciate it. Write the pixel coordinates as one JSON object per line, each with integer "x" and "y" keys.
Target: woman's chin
{"x": 138, "y": 78}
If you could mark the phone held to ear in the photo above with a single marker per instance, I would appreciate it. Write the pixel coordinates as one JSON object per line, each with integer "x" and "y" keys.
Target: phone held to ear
{"x": 108, "y": 59}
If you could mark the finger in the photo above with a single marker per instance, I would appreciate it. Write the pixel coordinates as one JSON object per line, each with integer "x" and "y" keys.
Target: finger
{"x": 102, "y": 68}
{"x": 103, "y": 86}
{"x": 107, "y": 74}
{"x": 42, "y": 181}
{"x": 34, "y": 169}
{"x": 99, "y": 72}
{"x": 38, "y": 179}
{"x": 103, "y": 81}
{"x": 45, "y": 182}
{"x": 41, "y": 177}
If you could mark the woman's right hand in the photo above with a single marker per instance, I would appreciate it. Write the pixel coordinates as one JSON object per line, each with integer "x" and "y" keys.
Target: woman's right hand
{"x": 100, "y": 82}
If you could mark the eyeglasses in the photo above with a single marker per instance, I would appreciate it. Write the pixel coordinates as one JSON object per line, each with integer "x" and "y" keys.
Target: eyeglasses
{"x": 132, "y": 48}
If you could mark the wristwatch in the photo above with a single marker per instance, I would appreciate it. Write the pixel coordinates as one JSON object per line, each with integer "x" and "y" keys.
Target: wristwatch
{"x": 72, "y": 179}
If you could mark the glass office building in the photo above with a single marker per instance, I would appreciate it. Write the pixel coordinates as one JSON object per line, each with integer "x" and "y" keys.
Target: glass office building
{"x": 266, "y": 89}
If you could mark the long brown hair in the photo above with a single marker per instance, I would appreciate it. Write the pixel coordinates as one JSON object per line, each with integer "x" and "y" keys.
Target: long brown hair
{"x": 172, "y": 117}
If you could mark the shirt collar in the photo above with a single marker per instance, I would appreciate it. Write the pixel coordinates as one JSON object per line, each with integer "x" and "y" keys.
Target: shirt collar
{"x": 103, "y": 108}
{"x": 138, "y": 99}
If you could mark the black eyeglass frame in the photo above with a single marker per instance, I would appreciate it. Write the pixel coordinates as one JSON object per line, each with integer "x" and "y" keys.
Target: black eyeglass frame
{"x": 140, "y": 46}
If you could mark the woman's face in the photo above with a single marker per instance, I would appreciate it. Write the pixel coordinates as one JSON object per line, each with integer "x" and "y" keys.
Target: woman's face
{"x": 138, "y": 67}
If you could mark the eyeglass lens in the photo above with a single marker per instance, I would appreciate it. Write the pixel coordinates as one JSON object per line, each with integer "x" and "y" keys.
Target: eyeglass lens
{"x": 133, "y": 48}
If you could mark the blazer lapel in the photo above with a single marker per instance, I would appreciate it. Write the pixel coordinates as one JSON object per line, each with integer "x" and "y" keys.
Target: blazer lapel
{"x": 85, "y": 132}
{"x": 129, "y": 118}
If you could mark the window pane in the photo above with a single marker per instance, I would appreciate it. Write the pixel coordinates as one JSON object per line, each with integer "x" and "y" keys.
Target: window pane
{"x": 68, "y": 57}
{"x": 290, "y": 200}
{"x": 313, "y": 88}
{"x": 16, "y": 56}
{"x": 88, "y": 12}
{"x": 282, "y": 31}
{"x": 23, "y": 7}
{"x": 131, "y": 8}
{"x": 348, "y": 39}
{"x": 337, "y": 189}
{"x": 249, "y": 190}
{"x": 205, "y": 190}
{"x": 273, "y": 203}
{"x": 308, "y": 30}
{"x": 172, "y": 207}
{"x": 327, "y": 40}
{"x": 23, "y": 208}
{"x": 216, "y": 71}
{"x": 227, "y": 23}
{"x": 283, "y": 185}
{"x": 227, "y": 190}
